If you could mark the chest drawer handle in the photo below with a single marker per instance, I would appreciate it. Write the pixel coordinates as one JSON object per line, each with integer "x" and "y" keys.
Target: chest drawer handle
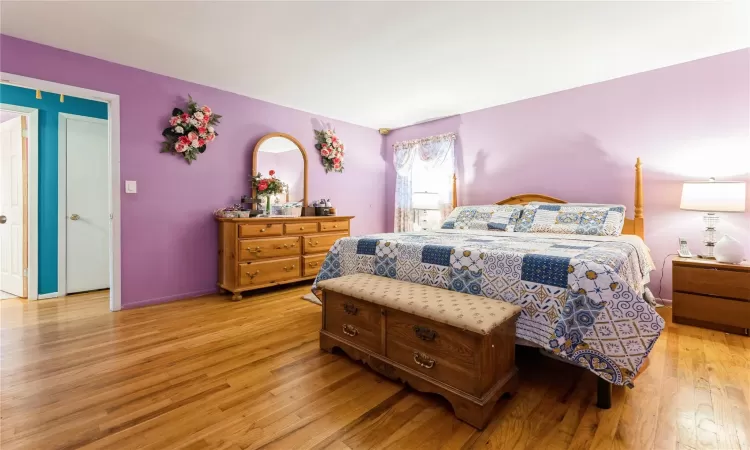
{"x": 310, "y": 242}
{"x": 290, "y": 268}
{"x": 257, "y": 250}
{"x": 423, "y": 360}
{"x": 251, "y": 275}
{"x": 335, "y": 226}
{"x": 350, "y": 308}
{"x": 349, "y": 330}
{"x": 302, "y": 228}
{"x": 425, "y": 333}
{"x": 285, "y": 246}
{"x": 262, "y": 230}
{"x": 312, "y": 264}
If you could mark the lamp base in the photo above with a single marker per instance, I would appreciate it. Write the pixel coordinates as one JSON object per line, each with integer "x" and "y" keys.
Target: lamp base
{"x": 709, "y": 235}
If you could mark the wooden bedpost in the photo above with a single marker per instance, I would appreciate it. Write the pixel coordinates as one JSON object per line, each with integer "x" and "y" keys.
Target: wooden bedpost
{"x": 455, "y": 192}
{"x": 638, "y": 219}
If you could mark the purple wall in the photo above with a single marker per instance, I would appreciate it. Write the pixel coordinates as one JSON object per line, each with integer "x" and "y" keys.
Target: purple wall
{"x": 169, "y": 237}
{"x": 689, "y": 121}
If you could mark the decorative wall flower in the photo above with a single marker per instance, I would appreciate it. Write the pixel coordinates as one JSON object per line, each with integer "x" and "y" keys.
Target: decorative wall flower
{"x": 189, "y": 132}
{"x": 331, "y": 150}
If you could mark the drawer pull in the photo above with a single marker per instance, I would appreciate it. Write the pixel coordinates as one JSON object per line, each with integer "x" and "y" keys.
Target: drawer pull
{"x": 349, "y": 330}
{"x": 251, "y": 275}
{"x": 423, "y": 360}
{"x": 312, "y": 264}
{"x": 302, "y": 228}
{"x": 289, "y": 269}
{"x": 335, "y": 226}
{"x": 257, "y": 250}
{"x": 310, "y": 242}
{"x": 285, "y": 246}
{"x": 350, "y": 309}
{"x": 262, "y": 230}
{"x": 425, "y": 333}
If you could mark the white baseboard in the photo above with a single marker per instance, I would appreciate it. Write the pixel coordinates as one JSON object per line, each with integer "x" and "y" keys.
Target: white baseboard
{"x": 664, "y": 301}
{"x": 50, "y": 295}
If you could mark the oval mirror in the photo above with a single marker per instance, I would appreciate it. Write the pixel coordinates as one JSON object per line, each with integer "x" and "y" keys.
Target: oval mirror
{"x": 284, "y": 155}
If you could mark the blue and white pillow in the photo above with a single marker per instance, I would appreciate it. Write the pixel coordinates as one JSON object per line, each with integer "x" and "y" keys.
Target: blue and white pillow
{"x": 572, "y": 218}
{"x": 484, "y": 217}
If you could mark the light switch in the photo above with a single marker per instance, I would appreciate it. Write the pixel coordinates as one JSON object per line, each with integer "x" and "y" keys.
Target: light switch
{"x": 130, "y": 187}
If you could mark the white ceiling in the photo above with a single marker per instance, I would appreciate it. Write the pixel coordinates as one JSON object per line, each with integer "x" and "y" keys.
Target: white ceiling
{"x": 387, "y": 64}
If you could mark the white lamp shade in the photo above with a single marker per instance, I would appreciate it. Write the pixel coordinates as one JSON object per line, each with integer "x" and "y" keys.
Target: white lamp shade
{"x": 713, "y": 196}
{"x": 425, "y": 200}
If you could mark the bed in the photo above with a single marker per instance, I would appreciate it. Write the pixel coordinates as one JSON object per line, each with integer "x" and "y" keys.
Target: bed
{"x": 582, "y": 297}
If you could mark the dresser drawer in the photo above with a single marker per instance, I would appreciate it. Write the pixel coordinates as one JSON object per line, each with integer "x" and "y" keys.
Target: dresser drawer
{"x": 711, "y": 309}
{"x": 710, "y": 281}
{"x": 318, "y": 243}
{"x": 335, "y": 225}
{"x": 300, "y": 228}
{"x": 265, "y": 272}
{"x": 260, "y": 229}
{"x": 441, "y": 352}
{"x": 311, "y": 264}
{"x": 353, "y": 320}
{"x": 253, "y": 249}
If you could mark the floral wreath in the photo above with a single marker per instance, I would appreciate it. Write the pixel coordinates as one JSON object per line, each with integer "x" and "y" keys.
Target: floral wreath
{"x": 331, "y": 150}
{"x": 189, "y": 132}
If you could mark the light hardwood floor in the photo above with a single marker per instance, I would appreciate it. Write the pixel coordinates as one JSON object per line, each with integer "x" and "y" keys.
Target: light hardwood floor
{"x": 210, "y": 373}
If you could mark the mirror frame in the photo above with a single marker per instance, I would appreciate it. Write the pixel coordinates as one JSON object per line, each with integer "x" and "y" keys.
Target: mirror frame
{"x": 304, "y": 160}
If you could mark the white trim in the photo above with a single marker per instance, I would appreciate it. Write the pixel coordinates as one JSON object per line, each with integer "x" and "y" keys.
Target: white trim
{"x": 113, "y": 100}
{"x": 50, "y": 295}
{"x": 62, "y": 197}
{"x": 32, "y": 277}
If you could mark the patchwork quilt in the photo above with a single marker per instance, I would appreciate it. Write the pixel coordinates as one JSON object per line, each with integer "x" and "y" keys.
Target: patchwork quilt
{"x": 581, "y": 296}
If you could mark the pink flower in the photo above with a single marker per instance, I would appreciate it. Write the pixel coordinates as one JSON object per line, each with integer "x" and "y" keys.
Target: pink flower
{"x": 325, "y": 152}
{"x": 337, "y": 166}
{"x": 202, "y": 130}
{"x": 192, "y": 136}
{"x": 206, "y": 110}
{"x": 272, "y": 172}
{"x": 201, "y": 142}
{"x": 184, "y": 140}
{"x": 337, "y": 161}
{"x": 210, "y": 137}
{"x": 174, "y": 120}
{"x": 184, "y": 117}
{"x": 180, "y": 147}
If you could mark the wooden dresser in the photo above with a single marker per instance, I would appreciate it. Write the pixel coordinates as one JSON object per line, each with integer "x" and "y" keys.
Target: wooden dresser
{"x": 711, "y": 294}
{"x": 261, "y": 252}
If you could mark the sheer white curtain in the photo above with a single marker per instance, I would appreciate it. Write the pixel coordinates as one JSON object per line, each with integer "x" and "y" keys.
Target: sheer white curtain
{"x": 423, "y": 165}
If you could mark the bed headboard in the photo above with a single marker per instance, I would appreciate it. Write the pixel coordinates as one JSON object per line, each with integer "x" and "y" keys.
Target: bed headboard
{"x": 632, "y": 226}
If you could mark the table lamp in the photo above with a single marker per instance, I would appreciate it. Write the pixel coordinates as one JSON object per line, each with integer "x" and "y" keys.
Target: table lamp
{"x": 425, "y": 201}
{"x": 712, "y": 197}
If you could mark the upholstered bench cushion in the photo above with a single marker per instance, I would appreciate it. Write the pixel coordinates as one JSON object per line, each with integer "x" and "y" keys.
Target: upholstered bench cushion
{"x": 465, "y": 311}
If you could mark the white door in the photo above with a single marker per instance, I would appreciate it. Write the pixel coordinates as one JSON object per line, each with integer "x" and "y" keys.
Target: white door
{"x": 87, "y": 211}
{"x": 11, "y": 207}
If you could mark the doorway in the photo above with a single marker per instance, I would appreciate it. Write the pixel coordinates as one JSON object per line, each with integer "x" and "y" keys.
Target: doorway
{"x": 83, "y": 244}
{"x": 13, "y": 204}
{"x": 112, "y": 265}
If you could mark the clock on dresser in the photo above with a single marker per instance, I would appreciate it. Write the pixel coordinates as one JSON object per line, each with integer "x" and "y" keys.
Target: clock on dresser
{"x": 710, "y": 294}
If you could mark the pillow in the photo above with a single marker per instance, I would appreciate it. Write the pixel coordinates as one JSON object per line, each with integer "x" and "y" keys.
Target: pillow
{"x": 484, "y": 217}
{"x": 572, "y": 218}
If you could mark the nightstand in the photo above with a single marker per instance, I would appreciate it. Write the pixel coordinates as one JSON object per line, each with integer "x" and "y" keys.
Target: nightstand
{"x": 711, "y": 294}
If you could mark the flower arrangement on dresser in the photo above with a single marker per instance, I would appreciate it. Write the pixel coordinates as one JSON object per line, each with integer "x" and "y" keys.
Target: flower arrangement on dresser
{"x": 331, "y": 150}
{"x": 189, "y": 132}
{"x": 267, "y": 186}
